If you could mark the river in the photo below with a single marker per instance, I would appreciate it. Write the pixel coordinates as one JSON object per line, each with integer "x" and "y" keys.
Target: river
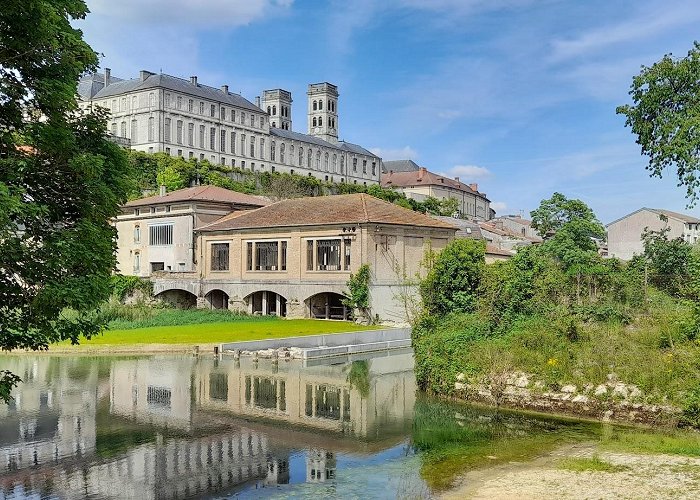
{"x": 162, "y": 427}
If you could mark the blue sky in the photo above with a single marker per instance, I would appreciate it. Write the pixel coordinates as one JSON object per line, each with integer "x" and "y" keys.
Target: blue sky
{"x": 517, "y": 95}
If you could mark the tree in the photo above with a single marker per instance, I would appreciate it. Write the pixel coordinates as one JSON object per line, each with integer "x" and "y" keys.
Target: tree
{"x": 453, "y": 279}
{"x": 553, "y": 213}
{"x": 61, "y": 182}
{"x": 669, "y": 259}
{"x": 665, "y": 117}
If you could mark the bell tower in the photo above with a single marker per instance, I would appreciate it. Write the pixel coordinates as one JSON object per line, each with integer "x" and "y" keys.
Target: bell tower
{"x": 323, "y": 111}
{"x": 278, "y": 104}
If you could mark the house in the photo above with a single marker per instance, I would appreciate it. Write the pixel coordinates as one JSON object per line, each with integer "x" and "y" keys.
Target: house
{"x": 625, "y": 233}
{"x": 157, "y": 233}
{"x": 293, "y": 258}
{"x": 500, "y": 236}
{"x": 421, "y": 184}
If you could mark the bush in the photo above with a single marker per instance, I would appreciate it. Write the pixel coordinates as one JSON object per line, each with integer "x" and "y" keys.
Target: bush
{"x": 691, "y": 408}
{"x": 124, "y": 286}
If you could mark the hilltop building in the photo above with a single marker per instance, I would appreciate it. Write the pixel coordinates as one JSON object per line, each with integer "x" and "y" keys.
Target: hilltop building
{"x": 163, "y": 113}
{"x": 625, "y": 233}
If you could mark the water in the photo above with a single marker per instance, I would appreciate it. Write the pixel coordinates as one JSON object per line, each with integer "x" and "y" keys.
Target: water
{"x": 161, "y": 427}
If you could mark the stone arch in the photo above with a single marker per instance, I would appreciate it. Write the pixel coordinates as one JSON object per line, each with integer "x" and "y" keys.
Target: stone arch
{"x": 327, "y": 305}
{"x": 266, "y": 303}
{"x": 216, "y": 299}
{"x": 182, "y": 299}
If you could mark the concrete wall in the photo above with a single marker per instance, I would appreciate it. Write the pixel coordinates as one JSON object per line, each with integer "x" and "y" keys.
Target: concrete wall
{"x": 625, "y": 235}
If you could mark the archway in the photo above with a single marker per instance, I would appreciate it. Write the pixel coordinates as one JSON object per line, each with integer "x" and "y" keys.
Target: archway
{"x": 182, "y": 299}
{"x": 327, "y": 305}
{"x": 217, "y": 299}
{"x": 267, "y": 303}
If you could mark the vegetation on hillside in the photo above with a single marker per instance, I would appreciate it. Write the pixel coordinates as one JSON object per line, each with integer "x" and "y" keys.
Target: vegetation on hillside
{"x": 563, "y": 313}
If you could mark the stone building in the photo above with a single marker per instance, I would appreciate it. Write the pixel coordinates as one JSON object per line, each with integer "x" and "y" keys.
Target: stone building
{"x": 420, "y": 184}
{"x": 157, "y": 233}
{"x": 625, "y": 233}
{"x": 293, "y": 258}
{"x": 162, "y": 113}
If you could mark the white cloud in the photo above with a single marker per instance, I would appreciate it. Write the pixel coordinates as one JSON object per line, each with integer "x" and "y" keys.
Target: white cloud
{"x": 469, "y": 172}
{"x": 404, "y": 153}
{"x": 499, "y": 206}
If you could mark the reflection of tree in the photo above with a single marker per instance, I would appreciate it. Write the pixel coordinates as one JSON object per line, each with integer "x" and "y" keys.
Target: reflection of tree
{"x": 359, "y": 377}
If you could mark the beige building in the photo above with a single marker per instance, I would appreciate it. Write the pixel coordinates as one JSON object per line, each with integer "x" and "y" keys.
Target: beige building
{"x": 625, "y": 233}
{"x": 293, "y": 258}
{"x": 157, "y": 233}
{"x": 421, "y": 184}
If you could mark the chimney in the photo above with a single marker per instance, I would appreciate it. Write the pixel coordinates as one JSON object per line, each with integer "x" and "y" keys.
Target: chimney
{"x": 193, "y": 80}
{"x": 457, "y": 179}
{"x": 421, "y": 172}
{"x": 162, "y": 190}
{"x": 108, "y": 75}
{"x": 474, "y": 187}
{"x": 224, "y": 89}
{"x": 143, "y": 75}
{"x": 257, "y": 101}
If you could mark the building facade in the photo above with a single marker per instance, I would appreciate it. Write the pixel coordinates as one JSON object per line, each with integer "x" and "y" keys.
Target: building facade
{"x": 294, "y": 258}
{"x": 157, "y": 233}
{"x": 162, "y": 113}
{"x": 625, "y": 233}
{"x": 421, "y": 184}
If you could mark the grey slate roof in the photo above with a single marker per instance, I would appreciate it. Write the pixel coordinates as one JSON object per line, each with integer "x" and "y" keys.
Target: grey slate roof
{"x": 91, "y": 84}
{"x": 177, "y": 85}
{"x": 341, "y": 145}
{"x": 466, "y": 229}
{"x": 400, "y": 166}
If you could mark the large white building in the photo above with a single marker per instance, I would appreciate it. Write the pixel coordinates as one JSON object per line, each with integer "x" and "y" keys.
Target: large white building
{"x": 162, "y": 113}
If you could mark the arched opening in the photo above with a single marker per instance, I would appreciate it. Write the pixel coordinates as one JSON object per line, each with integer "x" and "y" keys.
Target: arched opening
{"x": 182, "y": 299}
{"x": 217, "y": 299}
{"x": 267, "y": 303}
{"x": 327, "y": 305}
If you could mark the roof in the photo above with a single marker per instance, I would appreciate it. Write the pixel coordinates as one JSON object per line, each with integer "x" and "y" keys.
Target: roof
{"x": 465, "y": 228}
{"x": 492, "y": 250}
{"x": 517, "y": 218}
{"x": 423, "y": 177}
{"x": 341, "y": 145}
{"x": 661, "y": 211}
{"x": 400, "y": 166}
{"x": 324, "y": 210}
{"x": 201, "y": 193}
{"x": 504, "y": 231}
{"x": 118, "y": 87}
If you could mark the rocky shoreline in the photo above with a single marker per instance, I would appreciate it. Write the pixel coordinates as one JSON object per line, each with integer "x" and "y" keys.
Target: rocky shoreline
{"x": 613, "y": 401}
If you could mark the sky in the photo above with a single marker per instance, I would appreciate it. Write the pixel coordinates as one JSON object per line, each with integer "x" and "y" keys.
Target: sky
{"x": 518, "y": 96}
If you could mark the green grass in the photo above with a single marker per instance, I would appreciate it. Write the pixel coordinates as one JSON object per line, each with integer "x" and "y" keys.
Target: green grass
{"x": 594, "y": 464}
{"x": 250, "y": 328}
{"x": 678, "y": 442}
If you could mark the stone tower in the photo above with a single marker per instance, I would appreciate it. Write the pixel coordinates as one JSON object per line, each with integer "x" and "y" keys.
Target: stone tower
{"x": 323, "y": 111}
{"x": 278, "y": 104}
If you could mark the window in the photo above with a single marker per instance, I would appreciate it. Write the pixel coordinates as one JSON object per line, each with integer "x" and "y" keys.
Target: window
{"x": 262, "y": 148}
{"x": 283, "y": 256}
{"x": 157, "y": 266}
{"x": 348, "y": 245}
{"x": 374, "y": 168}
{"x": 158, "y": 397}
{"x": 320, "y": 121}
{"x": 202, "y": 131}
{"x": 314, "y": 122}
{"x": 114, "y": 129}
{"x": 219, "y": 257}
{"x": 325, "y": 162}
{"x": 133, "y": 103}
{"x": 252, "y": 147}
{"x": 137, "y": 262}
{"x": 212, "y": 138}
{"x": 354, "y": 164}
{"x": 166, "y": 130}
{"x": 223, "y": 141}
{"x": 328, "y": 255}
{"x": 301, "y": 157}
{"x": 291, "y": 154}
{"x": 262, "y": 121}
{"x": 315, "y": 105}
{"x": 190, "y": 134}
{"x": 151, "y": 99}
{"x": 223, "y": 113}
{"x": 282, "y": 153}
{"x": 242, "y": 118}
{"x": 179, "y": 132}
{"x": 272, "y": 151}
{"x": 201, "y": 108}
{"x": 318, "y": 160}
{"x": 137, "y": 234}
{"x": 233, "y": 115}
{"x": 190, "y": 105}
{"x": 252, "y": 120}
{"x": 310, "y": 253}
{"x": 320, "y": 105}
{"x": 249, "y": 256}
{"x": 167, "y": 100}
{"x": 134, "y": 131}
{"x": 233, "y": 143}
{"x": 309, "y": 158}
{"x": 151, "y": 129}
{"x": 274, "y": 110}
{"x": 242, "y": 144}
{"x": 123, "y": 129}
{"x": 335, "y": 164}
{"x": 123, "y": 108}
{"x": 160, "y": 234}
{"x": 268, "y": 110}
{"x": 266, "y": 254}
{"x": 179, "y": 102}
{"x": 212, "y": 110}
{"x": 364, "y": 166}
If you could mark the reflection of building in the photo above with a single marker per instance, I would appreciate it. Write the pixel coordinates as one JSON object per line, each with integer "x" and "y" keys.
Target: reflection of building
{"x": 359, "y": 399}
{"x": 320, "y": 466}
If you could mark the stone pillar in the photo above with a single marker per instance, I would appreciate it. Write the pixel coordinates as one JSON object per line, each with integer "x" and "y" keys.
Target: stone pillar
{"x": 295, "y": 309}
{"x": 250, "y": 304}
{"x": 237, "y": 304}
{"x": 202, "y": 303}
{"x": 278, "y": 304}
{"x": 264, "y": 303}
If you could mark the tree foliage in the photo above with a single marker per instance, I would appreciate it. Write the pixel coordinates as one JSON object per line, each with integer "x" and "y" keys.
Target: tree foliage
{"x": 60, "y": 181}
{"x": 555, "y": 212}
{"x": 670, "y": 260}
{"x": 665, "y": 115}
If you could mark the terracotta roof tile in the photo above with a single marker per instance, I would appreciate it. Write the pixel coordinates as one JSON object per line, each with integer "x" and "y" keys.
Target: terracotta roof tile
{"x": 202, "y": 193}
{"x": 323, "y": 210}
{"x": 423, "y": 177}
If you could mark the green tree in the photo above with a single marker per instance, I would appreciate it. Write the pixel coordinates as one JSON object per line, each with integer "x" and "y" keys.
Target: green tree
{"x": 558, "y": 210}
{"x": 669, "y": 260}
{"x": 61, "y": 181}
{"x": 453, "y": 279}
{"x": 665, "y": 115}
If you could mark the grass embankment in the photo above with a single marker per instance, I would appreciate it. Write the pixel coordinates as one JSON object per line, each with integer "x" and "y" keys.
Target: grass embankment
{"x": 134, "y": 325}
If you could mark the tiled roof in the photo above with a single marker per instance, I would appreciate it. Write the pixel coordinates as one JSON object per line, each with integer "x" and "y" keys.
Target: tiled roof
{"x": 310, "y": 139}
{"x": 202, "y": 193}
{"x": 323, "y": 210}
{"x": 400, "y": 166}
{"x": 492, "y": 250}
{"x": 178, "y": 85}
{"x": 465, "y": 228}
{"x": 424, "y": 177}
{"x": 504, "y": 231}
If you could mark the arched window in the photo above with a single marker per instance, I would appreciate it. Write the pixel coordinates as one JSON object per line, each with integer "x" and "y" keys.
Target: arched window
{"x": 274, "y": 124}
{"x": 282, "y": 153}
{"x": 242, "y": 118}
{"x": 342, "y": 164}
{"x": 301, "y": 157}
{"x": 268, "y": 110}
{"x": 325, "y": 162}
{"x": 274, "y": 110}
{"x": 333, "y": 122}
{"x": 329, "y": 105}
{"x": 320, "y": 121}
{"x": 291, "y": 154}
{"x": 335, "y": 164}
{"x": 320, "y": 105}
{"x": 314, "y": 121}
{"x": 309, "y": 158}
{"x": 315, "y": 106}
{"x": 272, "y": 151}
{"x": 318, "y": 160}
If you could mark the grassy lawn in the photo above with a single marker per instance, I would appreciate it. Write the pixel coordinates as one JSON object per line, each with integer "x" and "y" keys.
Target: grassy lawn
{"x": 240, "y": 330}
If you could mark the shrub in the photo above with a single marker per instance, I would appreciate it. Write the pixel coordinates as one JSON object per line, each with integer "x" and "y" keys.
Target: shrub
{"x": 123, "y": 286}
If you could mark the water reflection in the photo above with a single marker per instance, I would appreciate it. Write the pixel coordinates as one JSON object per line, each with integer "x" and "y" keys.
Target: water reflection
{"x": 177, "y": 427}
